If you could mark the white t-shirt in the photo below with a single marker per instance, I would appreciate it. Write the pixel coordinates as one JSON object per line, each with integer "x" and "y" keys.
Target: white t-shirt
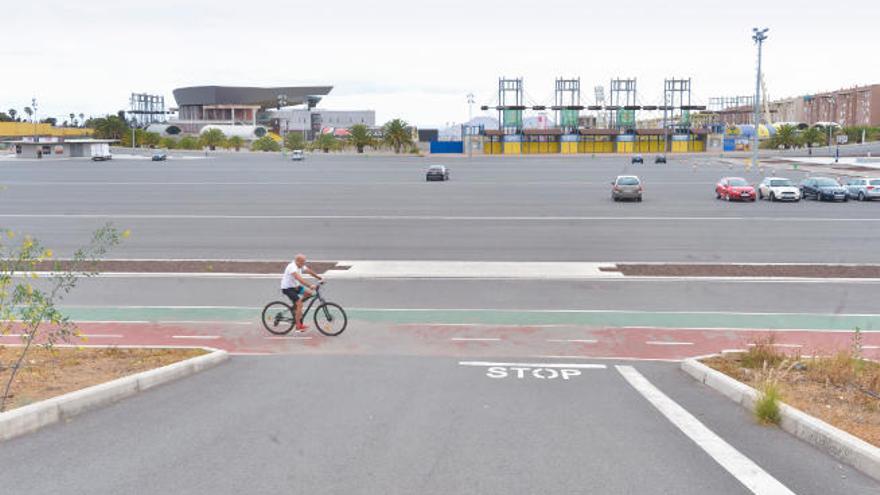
{"x": 288, "y": 281}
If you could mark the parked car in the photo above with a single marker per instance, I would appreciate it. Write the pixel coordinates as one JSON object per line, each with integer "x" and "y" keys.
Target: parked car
{"x": 638, "y": 159}
{"x": 660, "y": 159}
{"x": 778, "y": 189}
{"x": 626, "y": 187}
{"x": 159, "y": 156}
{"x": 437, "y": 172}
{"x": 297, "y": 155}
{"x": 863, "y": 189}
{"x": 734, "y": 188}
{"x": 823, "y": 189}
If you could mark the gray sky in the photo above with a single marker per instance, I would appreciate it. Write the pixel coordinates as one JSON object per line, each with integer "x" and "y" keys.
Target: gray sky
{"x": 418, "y": 60}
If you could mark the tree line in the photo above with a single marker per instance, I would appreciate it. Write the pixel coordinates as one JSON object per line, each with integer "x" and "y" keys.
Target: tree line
{"x": 789, "y": 136}
{"x": 395, "y": 135}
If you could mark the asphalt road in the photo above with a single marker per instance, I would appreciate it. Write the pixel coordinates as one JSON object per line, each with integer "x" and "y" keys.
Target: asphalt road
{"x": 407, "y": 425}
{"x": 516, "y": 209}
{"x": 625, "y": 295}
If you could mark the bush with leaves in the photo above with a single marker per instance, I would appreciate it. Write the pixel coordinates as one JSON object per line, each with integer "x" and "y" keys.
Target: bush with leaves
{"x": 212, "y": 139}
{"x": 325, "y": 143}
{"x": 265, "y": 143}
{"x": 189, "y": 143}
{"x": 294, "y": 141}
{"x": 168, "y": 143}
{"x": 234, "y": 143}
{"x": 32, "y": 311}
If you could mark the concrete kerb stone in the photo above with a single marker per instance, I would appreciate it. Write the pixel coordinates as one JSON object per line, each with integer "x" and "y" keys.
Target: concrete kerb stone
{"x": 32, "y": 417}
{"x": 836, "y": 442}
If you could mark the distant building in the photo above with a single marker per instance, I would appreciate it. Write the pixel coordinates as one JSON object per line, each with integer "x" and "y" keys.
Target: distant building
{"x": 57, "y": 147}
{"x": 199, "y": 106}
{"x": 313, "y": 121}
{"x": 857, "y": 106}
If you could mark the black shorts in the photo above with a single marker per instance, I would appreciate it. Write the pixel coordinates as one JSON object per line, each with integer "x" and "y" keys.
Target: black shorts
{"x": 293, "y": 293}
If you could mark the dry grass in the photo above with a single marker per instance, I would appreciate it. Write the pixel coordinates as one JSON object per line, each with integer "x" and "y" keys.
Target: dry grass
{"x": 48, "y": 373}
{"x": 842, "y": 389}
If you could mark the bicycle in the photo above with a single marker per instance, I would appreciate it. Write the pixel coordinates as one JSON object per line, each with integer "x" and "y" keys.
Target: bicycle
{"x": 330, "y": 319}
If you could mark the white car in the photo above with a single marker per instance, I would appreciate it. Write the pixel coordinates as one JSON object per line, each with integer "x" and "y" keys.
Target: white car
{"x": 778, "y": 189}
{"x": 297, "y": 155}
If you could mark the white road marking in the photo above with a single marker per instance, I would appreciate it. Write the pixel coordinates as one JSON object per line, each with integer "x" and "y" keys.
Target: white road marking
{"x": 663, "y": 342}
{"x": 102, "y": 336}
{"x": 197, "y": 337}
{"x": 578, "y": 341}
{"x": 419, "y": 218}
{"x": 475, "y": 339}
{"x": 288, "y": 337}
{"x": 792, "y": 346}
{"x": 741, "y": 467}
{"x": 581, "y": 366}
{"x": 609, "y": 358}
{"x": 871, "y": 347}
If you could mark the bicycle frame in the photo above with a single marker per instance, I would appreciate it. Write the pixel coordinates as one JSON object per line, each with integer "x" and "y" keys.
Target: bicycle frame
{"x": 312, "y": 300}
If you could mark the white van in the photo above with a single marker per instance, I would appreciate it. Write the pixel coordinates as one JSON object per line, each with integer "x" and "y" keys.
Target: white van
{"x": 101, "y": 152}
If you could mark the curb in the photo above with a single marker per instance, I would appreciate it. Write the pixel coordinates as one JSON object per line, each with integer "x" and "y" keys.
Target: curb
{"x": 32, "y": 417}
{"x": 834, "y": 441}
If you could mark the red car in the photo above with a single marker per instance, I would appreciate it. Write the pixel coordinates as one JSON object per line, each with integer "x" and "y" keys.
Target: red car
{"x": 734, "y": 188}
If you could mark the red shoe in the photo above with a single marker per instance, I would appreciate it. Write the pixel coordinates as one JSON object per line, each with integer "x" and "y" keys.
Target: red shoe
{"x": 301, "y": 327}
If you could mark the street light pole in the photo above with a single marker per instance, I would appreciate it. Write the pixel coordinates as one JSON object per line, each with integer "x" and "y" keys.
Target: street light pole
{"x": 758, "y": 36}
{"x": 34, "y": 106}
{"x": 467, "y": 129}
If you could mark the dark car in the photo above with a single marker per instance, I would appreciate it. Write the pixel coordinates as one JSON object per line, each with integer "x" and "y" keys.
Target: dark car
{"x": 159, "y": 156}
{"x": 823, "y": 189}
{"x": 437, "y": 172}
{"x": 659, "y": 159}
{"x": 638, "y": 159}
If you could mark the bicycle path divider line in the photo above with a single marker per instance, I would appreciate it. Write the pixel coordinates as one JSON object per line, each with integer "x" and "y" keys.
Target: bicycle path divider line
{"x": 501, "y": 317}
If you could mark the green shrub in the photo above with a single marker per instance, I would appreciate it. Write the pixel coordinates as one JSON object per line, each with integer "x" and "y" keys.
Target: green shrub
{"x": 767, "y": 406}
{"x": 189, "y": 143}
{"x": 265, "y": 143}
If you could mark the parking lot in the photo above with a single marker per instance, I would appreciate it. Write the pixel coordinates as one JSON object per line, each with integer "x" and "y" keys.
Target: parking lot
{"x": 453, "y": 378}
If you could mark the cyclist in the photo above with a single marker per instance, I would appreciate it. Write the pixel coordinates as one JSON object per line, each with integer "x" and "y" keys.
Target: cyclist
{"x": 295, "y": 287}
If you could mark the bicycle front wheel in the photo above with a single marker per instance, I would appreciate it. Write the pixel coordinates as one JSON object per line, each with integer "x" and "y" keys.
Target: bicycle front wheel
{"x": 278, "y": 318}
{"x": 330, "y": 319}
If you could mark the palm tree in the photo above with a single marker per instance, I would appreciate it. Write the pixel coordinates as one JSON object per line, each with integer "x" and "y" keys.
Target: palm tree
{"x": 110, "y": 127}
{"x": 235, "y": 143}
{"x": 326, "y": 142}
{"x": 12, "y": 113}
{"x": 294, "y": 141}
{"x": 72, "y": 118}
{"x": 396, "y": 134}
{"x": 785, "y": 136}
{"x": 28, "y": 111}
{"x": 82, "y": 118}
{"x": 359, "y": 137}
{"x": 812, "y": 136}
{"x": 212, "y": 138}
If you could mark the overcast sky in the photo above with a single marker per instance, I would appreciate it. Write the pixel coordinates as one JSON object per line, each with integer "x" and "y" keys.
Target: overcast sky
{"x": 418, "y": 60}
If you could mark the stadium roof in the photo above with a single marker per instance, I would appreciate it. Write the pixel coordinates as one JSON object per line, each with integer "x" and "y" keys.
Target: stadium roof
{"x": 240, "y": 95}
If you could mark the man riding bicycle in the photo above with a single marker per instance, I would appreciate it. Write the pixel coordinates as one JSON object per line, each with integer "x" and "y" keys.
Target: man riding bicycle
{"x": 296, "y": 288}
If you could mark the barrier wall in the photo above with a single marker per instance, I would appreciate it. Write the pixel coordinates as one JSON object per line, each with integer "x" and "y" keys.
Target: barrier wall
{"x": 594, "y": 145}
{"x": 447, "y": 147}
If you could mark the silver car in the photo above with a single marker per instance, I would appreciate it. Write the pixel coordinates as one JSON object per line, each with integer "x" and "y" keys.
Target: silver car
{"x": 863, "y": 189}
{"x": 626, "y": 187}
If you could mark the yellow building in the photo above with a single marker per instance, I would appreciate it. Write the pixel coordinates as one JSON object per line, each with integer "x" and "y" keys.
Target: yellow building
{"x": 27, "y": 129}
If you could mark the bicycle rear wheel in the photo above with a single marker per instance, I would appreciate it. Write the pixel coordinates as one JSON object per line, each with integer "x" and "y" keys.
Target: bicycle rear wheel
{"x": 330, "y": 319}
{"x": 278, "y": 318}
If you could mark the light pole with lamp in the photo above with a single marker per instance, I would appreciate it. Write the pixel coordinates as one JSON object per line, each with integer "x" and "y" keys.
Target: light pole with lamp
{"x": 758, "y": 36}
{"x": 34, "y": 106}
{"x": 467, "y": 129}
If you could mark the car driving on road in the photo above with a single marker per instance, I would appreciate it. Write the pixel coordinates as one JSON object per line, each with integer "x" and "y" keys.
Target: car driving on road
{"x": 778, "y": 189}
{"x": 297, "y": 155}
{"x": 437, "y": 172}
{"x": 823, "y": 189}
{"x": 637, "y": 159}
{"x": 863, "y": 189}
{"x": 159, "y": 156}
{"x": 626, "y": 187}
{"x": 734, "y": 188}
{"x": 660, "y": 159}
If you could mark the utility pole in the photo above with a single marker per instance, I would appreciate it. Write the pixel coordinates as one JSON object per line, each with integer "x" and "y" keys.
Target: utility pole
{"x": 758, "y": 36}
{"x": 34, "y": 106}
{"x": 467, "y": 129}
